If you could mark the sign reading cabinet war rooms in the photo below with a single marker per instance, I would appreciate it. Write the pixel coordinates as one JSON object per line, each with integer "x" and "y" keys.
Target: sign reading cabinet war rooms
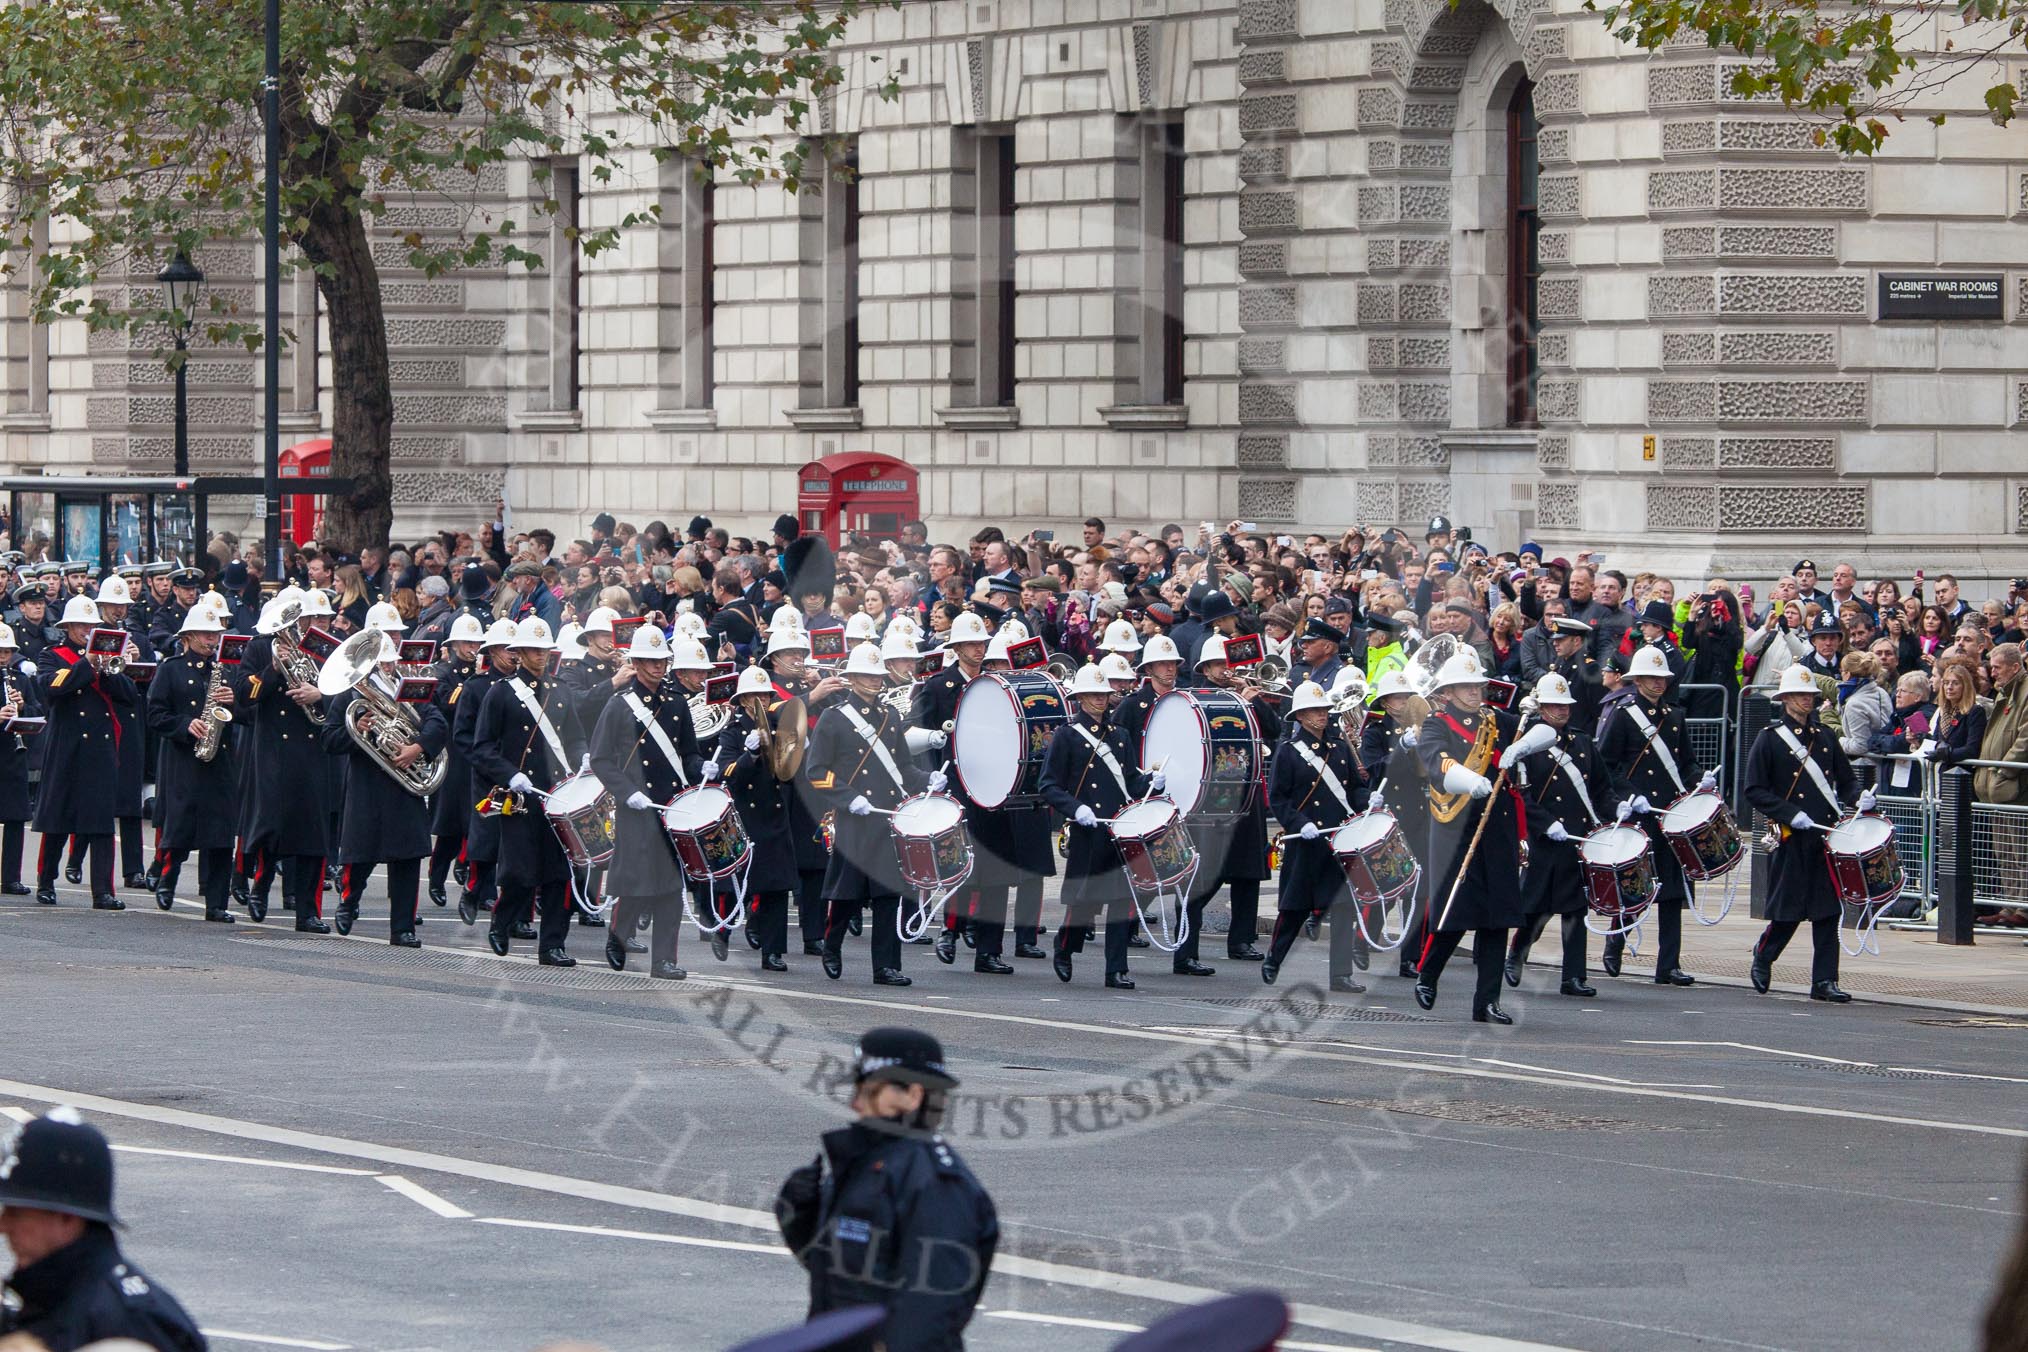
{"x": 1915, "y": 295}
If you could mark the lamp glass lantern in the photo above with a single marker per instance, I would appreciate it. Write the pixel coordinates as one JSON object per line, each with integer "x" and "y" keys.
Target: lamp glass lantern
{"x": 183, "y": 280}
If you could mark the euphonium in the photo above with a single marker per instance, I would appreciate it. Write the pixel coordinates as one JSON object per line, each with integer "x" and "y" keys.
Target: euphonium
{"x": 298, "y": 668}
{"x": 355, "y": 667}
{"x": 214, "y": 714}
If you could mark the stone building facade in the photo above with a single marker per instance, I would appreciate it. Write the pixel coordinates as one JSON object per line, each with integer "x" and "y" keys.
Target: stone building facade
{"x": 1300, "y": 262}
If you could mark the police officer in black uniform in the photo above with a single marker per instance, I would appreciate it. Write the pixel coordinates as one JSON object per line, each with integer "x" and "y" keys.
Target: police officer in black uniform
{"x": 1317, "y": 648}
{"x": 1314, "y": 787}
{"x": 1645, "y": 745}
{"x": 30, "y": 622}
{"x": 1570, "y": 644}
{"x": 1568, "y": 794}
{"x": 71, "y": 1285}
{"x": 858, "y": 762}
{"x": 896, "y": 1219}
{"x": 1791, "y": 764}
{"x": 1827, "y": 646}
{"x": 165, "y": 621}
{"x": 192, "y": 795}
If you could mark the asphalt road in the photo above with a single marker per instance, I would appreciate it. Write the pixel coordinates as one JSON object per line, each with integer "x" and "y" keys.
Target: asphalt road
{"x": 334, "y": 1144}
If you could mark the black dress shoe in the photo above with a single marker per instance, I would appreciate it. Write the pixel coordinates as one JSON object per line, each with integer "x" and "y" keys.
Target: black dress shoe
{"x": 1512, "y": 971}
{"x": 1137, "y": 940}
{"x": 667, "y": 971}
{"x": 498, "y": 942}
{"x": 556, "y": 957}
{"x": 991, "y": 963}
{"x": 1345, "y": 985}
{"x": 947, "y": 947}
{"x": 1610, "y": 959}
{"x": 1829, "y": 991}
{"x": 106, "y": 901}
{"x": 971, "y": 939}
{"x": 137, "y": 882}
{"x": 1362, "y": 956}
{"x": 460, "y": 872}
{"x": 1675, "y": 976}
{"x": 616, "y": 953}
{"x": 257, "y": 910}
{"x": 1269, "y": 970}
{"x": 437, "y": 896}
{"x": 220, "y": 917}
{"x": 1313, "y": 926}
{"x": 1407, "y": 971}
{"x": 811, "y": 950}
{"x": 1061, "y": 962}
{"x": 591, "y": 921}
{"x": 636, "y": 946}
{"x": 1119, "y": 981}
{"x": 752, "y": 936}
{"x": 45, "y": 896}
{"x": 855, "y": 924}
{"x": 346, "y": 917}
{"x": 1020, "y": 950}
{"x": 1191, "y": 967}
{"x": 239, "y": 890}
{"x": 14, "y": 889}
{"x": 1491, "y": 1014}
{"x": 834, "y": 963}
{"x": 1760, "y": 972}
{"x": 72, "y": 874}
{"x": 468, "y": 908}
{"x": 405, "y": 939}
{"x": 774, "y": 962}
{"x": 721, "y": 945}
{"x": 310, "y": 924}
{"x": 1577, "y": 988}
{"x": 1244, "y": 953}
{"x": 524, "y": 930}
{"x": 892, "y": 976}
{"x": 164, "y": 899}
{"x": 1425, "y": 995}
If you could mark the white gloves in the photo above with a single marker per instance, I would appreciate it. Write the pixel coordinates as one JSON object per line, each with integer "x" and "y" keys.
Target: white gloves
{"x": 1802, "y": 822}
{"x": 1310, "y": 831}
{"x": 584, "y": 765}
{"x": 1626, "y": 811}
{"x": 1510, "y": 755}
{"x": 1538, "y": 738}
{"x": 1868, "y": 801}
{"x": 1557, "y": 833}
{"x": 1642, "y": 805}
{"x": 919, "y": 740}
{"x": 938, "y": 738}
{"x": 1408, "y": 739}
{"x": 860, "y": 807}
{"x": 710, "y": 771}
{"x": 640, "y": 802}
{"x": 1158, "y": 782}
{"x": 521, "y": 783}
{"x": 937, "y": 780}
{"x": 28, "y": 668}
{"x": 1458, "y": 779}
{"x": 1710, "y": 781}
{"x": 1085, "y": 816}
{"x": 753, "y": 740}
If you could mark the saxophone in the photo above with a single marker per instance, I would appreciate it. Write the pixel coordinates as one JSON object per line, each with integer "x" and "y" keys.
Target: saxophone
{"x": 298, "y": 668}
{"x": 214, "y": 714}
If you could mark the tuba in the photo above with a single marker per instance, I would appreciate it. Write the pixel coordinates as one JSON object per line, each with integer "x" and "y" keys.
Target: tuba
{"x": 355, "y": 667}
{"x": 298, "y": 668}
{"x": 1424, "y": 663}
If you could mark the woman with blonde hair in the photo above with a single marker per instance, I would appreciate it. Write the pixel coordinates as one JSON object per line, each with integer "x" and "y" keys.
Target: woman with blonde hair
{"x": 1867, "y": 707}
{"x": 352, "y": 600}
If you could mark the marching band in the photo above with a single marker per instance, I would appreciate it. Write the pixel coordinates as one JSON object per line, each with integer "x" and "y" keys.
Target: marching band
{"x": 632, "y": 777}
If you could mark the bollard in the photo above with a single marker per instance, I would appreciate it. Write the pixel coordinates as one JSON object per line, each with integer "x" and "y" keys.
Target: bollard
{"x": 1954, "y": 880}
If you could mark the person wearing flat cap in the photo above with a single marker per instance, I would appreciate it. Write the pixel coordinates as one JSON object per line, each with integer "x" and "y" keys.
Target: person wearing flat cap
{"x": 1658, "y": 626}
{"x": 532, "y": 598}
{"x": 72, "y": 1286}
{"x": 887, "y": 1214}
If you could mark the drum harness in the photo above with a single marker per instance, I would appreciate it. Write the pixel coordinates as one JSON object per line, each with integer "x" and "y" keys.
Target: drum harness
{"x": 1866, "y": 917}
{"x": 1391, "y": 936}
{"x": 651, "y": 727}
{"x": 908, "y": 927}
{"x": 1164, "y": 936}
{"x": 580, "y": 890}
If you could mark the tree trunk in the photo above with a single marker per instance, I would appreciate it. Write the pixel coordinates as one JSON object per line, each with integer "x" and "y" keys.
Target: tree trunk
{"x": 362, "y": 392}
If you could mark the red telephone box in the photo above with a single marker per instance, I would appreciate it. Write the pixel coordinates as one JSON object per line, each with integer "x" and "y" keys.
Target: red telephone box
{"x": 303, "y": 513}
{"x": 856, "y": 491}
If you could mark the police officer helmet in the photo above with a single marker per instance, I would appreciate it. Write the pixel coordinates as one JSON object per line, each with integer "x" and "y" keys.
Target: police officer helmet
{"x": 58, "y": 1162}
{"x": 903, "y": 1055}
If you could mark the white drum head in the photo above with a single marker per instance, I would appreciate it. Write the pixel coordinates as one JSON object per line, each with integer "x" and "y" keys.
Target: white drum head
{"x": 1691, "y": 812}
{"x": 1613, "y": 846}
{"x": 1860, "y": 835}
{"x": 927, "y": 816}
{"x": 1143, "y": 819}
{"x": 575, "y": 793}
{"x": 696, "y": 808}
{"x": 987, "y": 742}
{"x": 1175, "y": 740}
{"x": 1361, "y": 833}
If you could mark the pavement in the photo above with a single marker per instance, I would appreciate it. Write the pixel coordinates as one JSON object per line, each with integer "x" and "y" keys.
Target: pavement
{"x": 329, "y": 1143}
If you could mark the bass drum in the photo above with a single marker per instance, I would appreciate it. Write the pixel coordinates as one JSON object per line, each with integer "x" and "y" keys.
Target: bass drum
{"x": 1000, "y": 737}
{"x": 1208, "y": 747}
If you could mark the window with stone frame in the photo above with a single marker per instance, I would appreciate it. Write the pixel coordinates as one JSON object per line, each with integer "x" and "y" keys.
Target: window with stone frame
{"x": 566, "y": 277}
{"x": 1162, "y": 200}
{"x": 828, "y": 243}
{"x": 982, "y": 328}
{"x": 686, "y": 229}
{"x": 1524, "y": 255}
{"x": 24, "y": 344}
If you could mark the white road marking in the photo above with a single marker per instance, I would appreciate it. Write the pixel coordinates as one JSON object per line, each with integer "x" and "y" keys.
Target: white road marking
{"x": 749, "y": 1218}
{"x": 423, "y": 1197}
{"x": 242, "y": 1159}
{"x": 268, "y": 1340}
{"x": 1110, "y": 1326}
{"x": 653, "y": 1236}
{"x": 21, "y": 1115}
{"x": 1745, "y": 1047}
{"x": 1582, "y": 1075}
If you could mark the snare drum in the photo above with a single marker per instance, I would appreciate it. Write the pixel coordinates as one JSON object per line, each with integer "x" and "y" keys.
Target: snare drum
{"x": 1865, "y": 865}
{"x": 581, "y": 813}
{"x": 930, "y": 843}
{"x": 1001, "y": 734}
{"x": 1703, "y": 836}
{"x": 1154, "y": 845}
{"x": 706, "y": 831}
{"x": 1619, "y": 874}
{"x": 1208, "y": 747}
{"x": 1375, "y": 856}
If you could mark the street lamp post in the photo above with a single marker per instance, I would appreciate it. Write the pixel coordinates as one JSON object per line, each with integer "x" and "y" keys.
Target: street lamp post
{"x": 183, "y": 281}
